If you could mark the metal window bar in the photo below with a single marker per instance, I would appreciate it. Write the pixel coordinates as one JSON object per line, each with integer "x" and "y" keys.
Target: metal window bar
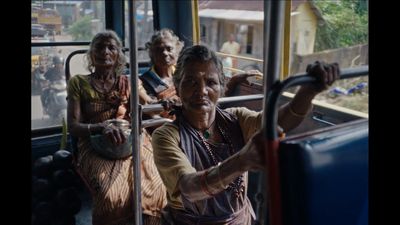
{"x": 273, "y": 33}
{"x": 135, "y": 114}
{"x": 159, "y": 107}
{"x": 240, "y": 57}
{"x": 83, "y": 51}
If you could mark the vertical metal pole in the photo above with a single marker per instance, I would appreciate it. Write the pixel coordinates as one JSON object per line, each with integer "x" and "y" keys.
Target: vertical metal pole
{"x": 266, "y": 38}
{"x": 286, "y": 43}
{"x": 273, "y": 34}
{"x": 261, "y": 195}
{"x": 137, "y": 201}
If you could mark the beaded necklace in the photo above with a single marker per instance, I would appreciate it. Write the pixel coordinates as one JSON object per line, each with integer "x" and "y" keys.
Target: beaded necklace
{"x": 207, "y": 132}
{"x": 237, "y": 185}
{"x": 208, "y": 148}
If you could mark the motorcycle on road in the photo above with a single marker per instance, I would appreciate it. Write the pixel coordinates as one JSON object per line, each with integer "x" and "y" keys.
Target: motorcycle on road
{"x": 54, "y": 100}
{"x": 54, "y": 95}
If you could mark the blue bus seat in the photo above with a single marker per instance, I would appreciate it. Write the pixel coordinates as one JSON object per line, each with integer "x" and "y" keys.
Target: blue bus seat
{"x": 324, "y": 176}
{"x": 142, "y": 70}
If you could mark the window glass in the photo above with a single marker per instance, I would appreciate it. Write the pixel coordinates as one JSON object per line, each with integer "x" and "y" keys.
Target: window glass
{"x": 145, "y": 28}
{"x": 69, "y": 21}
{"x": 233, "y": 28}
{"x": 60, "y": 21}
{"x": 332, "y": 31}
{"x": 48, "y": 84}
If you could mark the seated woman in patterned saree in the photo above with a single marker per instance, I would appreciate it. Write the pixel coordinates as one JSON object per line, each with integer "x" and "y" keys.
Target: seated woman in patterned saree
{"x": 164, "y": 48}
{"x": 93, "y": 99}
{"x": 204, "y": 156}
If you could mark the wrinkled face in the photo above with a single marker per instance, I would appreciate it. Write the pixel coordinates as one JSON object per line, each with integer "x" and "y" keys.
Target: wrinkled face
{"x": 199, "y": 88}
{"x": 164, "y": 53}
{"x": 105, "y": 53}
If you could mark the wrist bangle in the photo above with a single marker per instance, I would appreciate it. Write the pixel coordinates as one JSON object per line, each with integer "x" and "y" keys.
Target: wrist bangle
{"x": 204, "y": 185}
{"x": 219, "y": 177}
{"x": 296, "y": 114}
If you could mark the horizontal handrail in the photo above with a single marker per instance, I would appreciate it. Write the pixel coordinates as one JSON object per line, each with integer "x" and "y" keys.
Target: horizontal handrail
{"x": 152, "y": 108}
{"x": 55, "y": 44}
{"x": 154, "y": 122}
{"x": 159, "y": 107}
{"x": 240, "y": 57}
{"x": 242, "y": 98}
{"x": 299, "y": 79}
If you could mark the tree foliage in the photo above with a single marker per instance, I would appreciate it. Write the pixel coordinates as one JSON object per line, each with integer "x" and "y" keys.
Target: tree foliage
{"x": 81, "y": 30}
{"x": 346, "y": 24}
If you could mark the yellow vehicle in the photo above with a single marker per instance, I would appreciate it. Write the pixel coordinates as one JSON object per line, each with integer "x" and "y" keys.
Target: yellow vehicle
{"x": 49, "y": 18}
{"x": 38, "y": 54}
{"x": 35, "y": 61}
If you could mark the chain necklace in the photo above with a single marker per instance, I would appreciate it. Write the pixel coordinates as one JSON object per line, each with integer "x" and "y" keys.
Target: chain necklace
{"x": 237, "y": 185}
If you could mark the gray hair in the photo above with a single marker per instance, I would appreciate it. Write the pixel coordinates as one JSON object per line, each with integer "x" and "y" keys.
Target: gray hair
{"x": 102, "y": 36}
{"x": 164, "y": 33}
{"x": 197, "y": 53}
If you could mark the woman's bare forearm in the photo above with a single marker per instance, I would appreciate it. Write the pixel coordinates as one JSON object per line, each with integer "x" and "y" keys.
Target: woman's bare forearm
{"x": 293, "y": 113}
{"x": 205, "y": 184}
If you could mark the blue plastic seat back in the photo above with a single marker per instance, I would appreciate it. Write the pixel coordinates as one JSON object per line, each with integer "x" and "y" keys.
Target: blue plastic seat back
{"x": 324, "y": 176}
